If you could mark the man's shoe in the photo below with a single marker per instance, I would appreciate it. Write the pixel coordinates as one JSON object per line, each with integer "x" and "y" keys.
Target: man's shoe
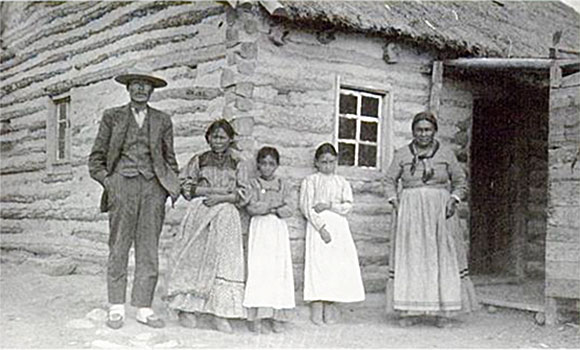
{"x": 187, "y": 319}
{"x": 152, "y": 321}
{"x": 115, "y": 320}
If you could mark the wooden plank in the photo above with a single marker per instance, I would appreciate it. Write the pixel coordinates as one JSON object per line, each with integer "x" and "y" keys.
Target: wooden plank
{"x": 564, "y": 116}
{"x": 566, "y": 270}
{"x": 564, "y": 252}
{"x": 565, "y": 97}
{"x": 562, "y": 170}
{"x": 436, "y": 85}
{"x": 571, "y": 80}
{"x": 566, "y": 193}
{"x": 512, "y": 304}
{"x": 565, "y": 217}
{"x": 557, "y": 233}
{"x": 562, "y": 288}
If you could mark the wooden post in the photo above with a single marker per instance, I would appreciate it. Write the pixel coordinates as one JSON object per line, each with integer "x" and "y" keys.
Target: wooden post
{"x": 555, "y": 75}
{"x": 436, "y": 85}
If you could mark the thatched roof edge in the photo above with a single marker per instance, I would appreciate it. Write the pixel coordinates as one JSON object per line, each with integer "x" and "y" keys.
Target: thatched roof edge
{"x": 455, "y": 28}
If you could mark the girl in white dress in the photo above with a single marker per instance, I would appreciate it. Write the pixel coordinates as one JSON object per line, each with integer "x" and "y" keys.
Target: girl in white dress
{"x": 332, "y": 273}
{"x": 269, "y": 290}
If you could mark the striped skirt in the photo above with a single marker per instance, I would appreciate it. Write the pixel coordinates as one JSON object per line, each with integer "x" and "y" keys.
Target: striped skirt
{"x": 428, "y": 271}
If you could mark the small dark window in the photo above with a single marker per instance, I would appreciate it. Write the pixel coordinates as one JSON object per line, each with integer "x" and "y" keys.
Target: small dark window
{"x": 59, "y": 139}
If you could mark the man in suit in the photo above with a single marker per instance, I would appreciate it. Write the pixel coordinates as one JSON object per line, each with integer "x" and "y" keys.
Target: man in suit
{"x": 133, "y": 159}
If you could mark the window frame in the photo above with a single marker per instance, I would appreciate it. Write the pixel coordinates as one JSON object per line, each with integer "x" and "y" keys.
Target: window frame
{"x": 53, "y": 136}
{"x": 385, "y": 134}
{"x": 359, "y": 118}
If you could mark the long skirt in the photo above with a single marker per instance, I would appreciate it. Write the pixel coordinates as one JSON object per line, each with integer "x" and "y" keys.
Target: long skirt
{"x": 270, "y": 282}
{"x": 207, "y": 262}
{"x": 428, "y": 271}
{"x": 332, "y": 271}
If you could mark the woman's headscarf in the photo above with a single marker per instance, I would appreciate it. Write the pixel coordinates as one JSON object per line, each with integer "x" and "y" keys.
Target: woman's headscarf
{"x": 428, "y": 116}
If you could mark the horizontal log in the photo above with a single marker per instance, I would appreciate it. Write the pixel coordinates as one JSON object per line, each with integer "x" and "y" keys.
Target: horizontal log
{"x": 299, "y": 118}
{"x": 564, "y": 98}
{"x": 45, "y": 210}
{"x": 186, "y": 56}
{"x": 379, "y": 207}
{"x": 49, "y": 244}
{"x": 341, "y": 60}
{"x": 24, "y": 167}
{"x": 47, "y": 15}
{"x": 79, "y": 21}
{"x": 566, "y": 117}
{"x": 146, "y": 45}
{"x": 564, "y": 217}
{"x": 281, "y": 136}
{"x": 561, "y": 233}
{"x": 562, "y": 252}
{"x": 374, "y": 282}
{"x": 563, "y": 172}
{"x": 571, "y": 82}
{"x": 562, "y": 288}
{"x": 565, "y": 193}
{"x": 33, "y": 195}
{"x": 8, "y": 115}
{"x": 190, "y": 17}
{"x": 512, "y": 304}
{"x": 568, "y": 270}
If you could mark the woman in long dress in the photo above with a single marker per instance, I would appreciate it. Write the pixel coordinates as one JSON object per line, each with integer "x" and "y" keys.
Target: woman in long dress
{"x": 270, "y": 285}
{"x": 207, "y": 268}
{"x": 331, "y": 267}
{"x": 428, "y": 272}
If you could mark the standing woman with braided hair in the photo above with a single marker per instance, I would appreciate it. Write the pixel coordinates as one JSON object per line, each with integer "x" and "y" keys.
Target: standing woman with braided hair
{"x": 428, "y": 273}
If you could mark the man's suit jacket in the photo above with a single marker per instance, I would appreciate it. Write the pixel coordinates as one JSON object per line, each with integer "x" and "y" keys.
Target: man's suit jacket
{"x": 106, "y": 150}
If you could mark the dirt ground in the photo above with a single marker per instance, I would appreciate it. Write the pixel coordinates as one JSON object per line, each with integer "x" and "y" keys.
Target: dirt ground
{"x": 42, "y": 311}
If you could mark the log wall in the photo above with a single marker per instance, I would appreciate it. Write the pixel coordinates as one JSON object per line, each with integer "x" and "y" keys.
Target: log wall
{"x": 283, "y": 87}
{"x": 75, "y": 49}
{"x": 277, "y": 83}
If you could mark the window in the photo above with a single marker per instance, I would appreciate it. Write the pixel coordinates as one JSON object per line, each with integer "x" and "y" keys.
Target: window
{"x": 58, "y": 135}
{"x": 358, "y": 129}
{"x": 62, "y": 127}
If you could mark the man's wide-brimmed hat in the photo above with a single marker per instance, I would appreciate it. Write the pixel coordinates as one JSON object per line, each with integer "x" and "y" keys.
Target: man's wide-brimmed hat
{"x": 136, "y": 73}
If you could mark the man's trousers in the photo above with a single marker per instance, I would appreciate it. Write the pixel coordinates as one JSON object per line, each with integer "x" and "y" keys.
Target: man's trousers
{"x": 136, "y": 214}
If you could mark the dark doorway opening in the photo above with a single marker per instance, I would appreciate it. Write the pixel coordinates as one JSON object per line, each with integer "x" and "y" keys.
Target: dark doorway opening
{"x": 509, "y": 181}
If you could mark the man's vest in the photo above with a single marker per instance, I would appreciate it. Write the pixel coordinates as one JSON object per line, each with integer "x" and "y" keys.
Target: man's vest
{"x": 135, "y": 156}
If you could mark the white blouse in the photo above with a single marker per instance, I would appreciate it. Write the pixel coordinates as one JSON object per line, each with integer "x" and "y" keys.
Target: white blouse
{"x": 321, "y": 188}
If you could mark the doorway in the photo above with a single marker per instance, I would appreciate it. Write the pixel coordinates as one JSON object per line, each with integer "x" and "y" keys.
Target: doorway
{"x": 509, "y": 183}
